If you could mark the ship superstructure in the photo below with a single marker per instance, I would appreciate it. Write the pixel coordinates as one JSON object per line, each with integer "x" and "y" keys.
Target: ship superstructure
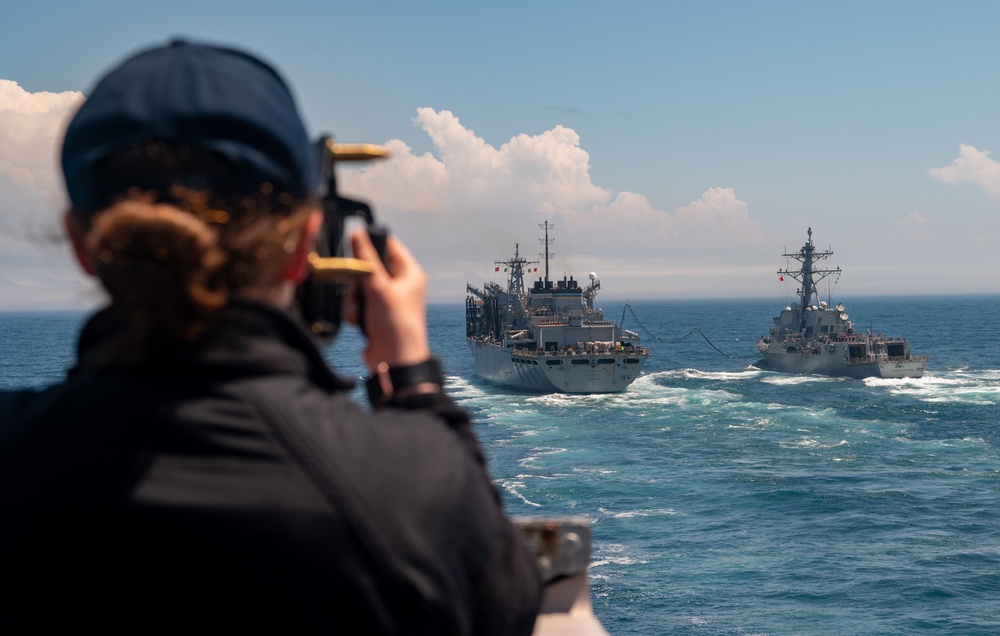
{"x": 550, "y": 337}
{"x": 812, "y": 337}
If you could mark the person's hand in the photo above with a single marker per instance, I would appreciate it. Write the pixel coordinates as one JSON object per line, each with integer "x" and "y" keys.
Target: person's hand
{"x": 395, "y": 310}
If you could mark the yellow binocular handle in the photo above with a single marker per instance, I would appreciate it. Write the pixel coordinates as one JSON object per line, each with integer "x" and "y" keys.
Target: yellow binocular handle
{"x": 346, "y": 268}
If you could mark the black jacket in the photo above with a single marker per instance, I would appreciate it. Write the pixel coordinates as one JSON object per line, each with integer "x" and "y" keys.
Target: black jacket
{"x": 233, "y": 486}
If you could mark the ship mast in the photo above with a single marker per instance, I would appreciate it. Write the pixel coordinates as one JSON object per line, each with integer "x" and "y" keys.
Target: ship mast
{"x": 546, "y": 242}
{"x": 515, "y": 279}
{"x": 808, "y": 275}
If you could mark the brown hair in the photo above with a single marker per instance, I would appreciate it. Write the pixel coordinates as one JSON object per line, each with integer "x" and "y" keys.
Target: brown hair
{"x": 172, "y": 259}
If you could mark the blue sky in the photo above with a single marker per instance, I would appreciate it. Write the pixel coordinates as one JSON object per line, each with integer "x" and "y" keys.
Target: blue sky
{"x": 679, "y": 148}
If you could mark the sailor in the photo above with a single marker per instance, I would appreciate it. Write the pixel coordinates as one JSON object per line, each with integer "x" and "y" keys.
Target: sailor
{"x": 202, "y": 469}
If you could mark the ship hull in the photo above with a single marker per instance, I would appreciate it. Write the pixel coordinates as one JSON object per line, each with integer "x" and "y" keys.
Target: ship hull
{"x": 837, "y": 365}
{"x": 549, "y": 372}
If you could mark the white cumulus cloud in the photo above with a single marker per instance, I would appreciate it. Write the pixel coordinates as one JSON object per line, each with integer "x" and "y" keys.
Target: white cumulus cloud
{"x": 468, "y": 202}
{"x": 32, "y": 199}
{"x": 31, "y": 126}
{"x": 972, "y": 166}
{"x": 911, "y": 221}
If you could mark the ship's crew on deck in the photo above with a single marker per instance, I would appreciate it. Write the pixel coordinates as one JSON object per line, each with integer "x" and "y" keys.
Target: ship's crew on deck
{"x": 202, "y": 470}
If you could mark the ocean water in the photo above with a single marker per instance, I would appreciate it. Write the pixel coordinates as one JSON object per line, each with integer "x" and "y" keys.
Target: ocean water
{"x": 728, "y": 500}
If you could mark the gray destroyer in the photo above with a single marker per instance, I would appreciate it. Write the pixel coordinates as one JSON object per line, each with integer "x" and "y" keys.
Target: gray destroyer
{"x": 812, "y": 337}
{"x": 549, "y": 338}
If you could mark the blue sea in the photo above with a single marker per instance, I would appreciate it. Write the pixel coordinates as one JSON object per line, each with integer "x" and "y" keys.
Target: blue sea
{"x": 728, "y": 500}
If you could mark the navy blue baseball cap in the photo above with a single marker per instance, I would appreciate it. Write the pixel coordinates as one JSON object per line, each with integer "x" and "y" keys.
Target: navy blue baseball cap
{"x": 220, "y": 99}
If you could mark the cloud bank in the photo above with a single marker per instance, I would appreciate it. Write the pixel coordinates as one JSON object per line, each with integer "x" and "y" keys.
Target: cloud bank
{"x": 468, "y": 203}
{"x": 460, "y": 207}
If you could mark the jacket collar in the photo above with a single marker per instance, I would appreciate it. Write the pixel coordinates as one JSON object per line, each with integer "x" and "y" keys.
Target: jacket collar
{"x": 252, "y": 338}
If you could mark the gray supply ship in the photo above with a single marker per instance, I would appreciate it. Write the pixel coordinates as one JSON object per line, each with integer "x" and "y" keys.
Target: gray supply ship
{"x": 551, "y": 338}
{"x": 812, "y": 337}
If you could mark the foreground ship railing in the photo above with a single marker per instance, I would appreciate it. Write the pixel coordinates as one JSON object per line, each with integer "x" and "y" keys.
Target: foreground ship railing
{"x": 562, "y": 553}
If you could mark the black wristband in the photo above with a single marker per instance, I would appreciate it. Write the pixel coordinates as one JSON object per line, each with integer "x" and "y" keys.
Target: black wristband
{"x": 388, "y": 381}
